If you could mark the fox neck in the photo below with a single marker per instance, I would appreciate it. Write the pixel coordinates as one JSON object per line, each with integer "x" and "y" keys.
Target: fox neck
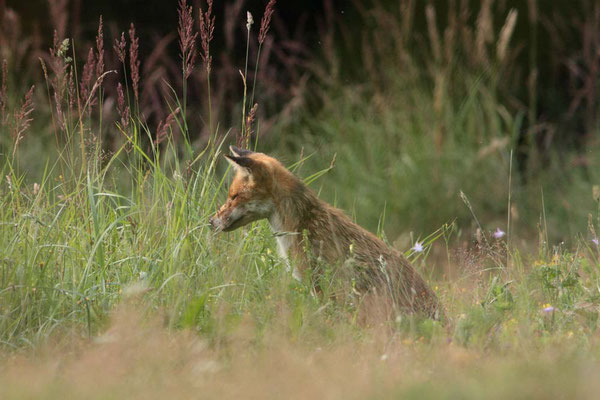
{"x": 293, "y": 209}
{"x": 292, "y": 213}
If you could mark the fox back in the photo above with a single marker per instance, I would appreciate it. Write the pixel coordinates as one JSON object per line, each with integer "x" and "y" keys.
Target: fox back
{"x": 264, "y": 189}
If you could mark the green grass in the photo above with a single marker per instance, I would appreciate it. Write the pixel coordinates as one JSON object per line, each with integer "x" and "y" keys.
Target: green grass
{"x": 116, "y": 272}
{"x": 132, "y": 229}
{"x": 83, "y": 242}
{"x": 108, "y": 264}
{"x": 71, "y": 247}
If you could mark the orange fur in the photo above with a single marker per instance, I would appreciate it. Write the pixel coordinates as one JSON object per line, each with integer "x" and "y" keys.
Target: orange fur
{"x": 264, "y": 188}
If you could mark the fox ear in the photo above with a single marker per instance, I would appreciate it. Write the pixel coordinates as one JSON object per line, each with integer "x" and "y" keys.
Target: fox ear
{"x": 241, "y": 164}
{"x": 236, "y": 151}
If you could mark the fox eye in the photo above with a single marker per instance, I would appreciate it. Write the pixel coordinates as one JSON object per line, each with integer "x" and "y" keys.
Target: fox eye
{"x": 234, "y": 196}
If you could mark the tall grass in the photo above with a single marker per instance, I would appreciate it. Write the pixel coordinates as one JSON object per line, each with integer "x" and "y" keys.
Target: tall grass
{"x": 95, "y": 223}
{"x": 83, "y": 230}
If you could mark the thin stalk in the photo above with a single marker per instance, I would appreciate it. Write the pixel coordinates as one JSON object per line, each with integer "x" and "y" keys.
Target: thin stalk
{"x": 82, "y": 144}
{"x": 244, "y": 78}
{"x": 210, "y": 124}
{"x": 244, "y": 105}
{"x": 100, "y": 115}
{"x": 51, "y": 108}
{"x": 184, "y": 89}
{"x": 255, "y": 74}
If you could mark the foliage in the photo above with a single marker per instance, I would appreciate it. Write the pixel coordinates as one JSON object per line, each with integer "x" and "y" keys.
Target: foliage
{"x": 108, "y": 207}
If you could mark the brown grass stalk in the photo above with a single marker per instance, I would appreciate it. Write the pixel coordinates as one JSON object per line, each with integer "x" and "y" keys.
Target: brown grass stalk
{"x": 87, "y": 75}
{"x": 505, "y": 35}
{"x": 187, "y": 38}
{"x": 100, "y": 50}
{"x": 134, "y": 62}
{"x": 434, "y": 36}
{"x": 120, "y": 48}
{"x": 485, "y": 30}
{"x": 207, "y": 28}
{"x": 265, "y": 23}
{"x": 22, "y": 120}
{"x": 164, "y": 128}
{"x": 244, "y": 139}
{"x": 122, "y": 107}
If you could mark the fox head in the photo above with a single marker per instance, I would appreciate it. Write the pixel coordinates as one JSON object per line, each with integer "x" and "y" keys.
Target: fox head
{"x": 252, "y": 192}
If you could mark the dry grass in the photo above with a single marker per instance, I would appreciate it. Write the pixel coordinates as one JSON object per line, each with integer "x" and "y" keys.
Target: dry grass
{"x": 139, "y": 358}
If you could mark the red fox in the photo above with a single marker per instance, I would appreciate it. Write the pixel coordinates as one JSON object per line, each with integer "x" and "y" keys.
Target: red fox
{"x": 264, "y": 189}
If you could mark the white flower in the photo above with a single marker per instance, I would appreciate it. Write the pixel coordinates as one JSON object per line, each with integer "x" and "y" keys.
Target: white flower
{"x": 499, "y": 234}
{"x": 418, "y": 247}
{"x": 596, "y": 241}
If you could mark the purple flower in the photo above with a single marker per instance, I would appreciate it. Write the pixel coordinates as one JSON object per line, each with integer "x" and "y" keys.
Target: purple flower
{"x": 499, "y": 234}
{"x": 549, "y": 309}
{"x": 418, "y": 247}
{"x": 596, "y": 241}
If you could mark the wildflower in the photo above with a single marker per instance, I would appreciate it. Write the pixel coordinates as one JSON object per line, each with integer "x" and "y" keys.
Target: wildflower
{"x": 418, "y": 247}
{"x": 499, "y": 233}
{"x": 596, "y": 241}
{"x": 538, "y": 263}
{"x": 548, "y": 308}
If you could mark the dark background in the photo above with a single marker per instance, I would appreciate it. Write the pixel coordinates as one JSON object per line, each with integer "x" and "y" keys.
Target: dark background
{"x": 552, "y": 40}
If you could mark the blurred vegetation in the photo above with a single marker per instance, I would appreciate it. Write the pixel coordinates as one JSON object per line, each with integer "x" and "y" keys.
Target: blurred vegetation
{"x": 423, "y": 102}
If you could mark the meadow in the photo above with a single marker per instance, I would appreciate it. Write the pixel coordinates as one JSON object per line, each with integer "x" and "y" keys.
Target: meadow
{"x": 113, "y": 285}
